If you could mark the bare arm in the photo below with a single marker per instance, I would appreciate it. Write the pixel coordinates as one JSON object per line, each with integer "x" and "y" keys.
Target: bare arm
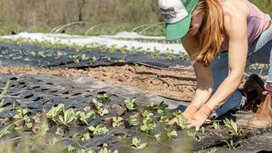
{"x": 203, "y": 74}
{"x": 236, "y": 29}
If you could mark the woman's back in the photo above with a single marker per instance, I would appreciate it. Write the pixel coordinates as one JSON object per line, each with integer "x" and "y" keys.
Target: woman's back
{"x": 257, "y": 22}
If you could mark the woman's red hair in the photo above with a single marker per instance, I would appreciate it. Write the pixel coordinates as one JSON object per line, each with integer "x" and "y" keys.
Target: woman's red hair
{"x": 211, "y": 31}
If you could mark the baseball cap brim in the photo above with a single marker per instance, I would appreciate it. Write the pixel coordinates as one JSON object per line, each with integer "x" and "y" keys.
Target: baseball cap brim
{"x": 175, "y": 31}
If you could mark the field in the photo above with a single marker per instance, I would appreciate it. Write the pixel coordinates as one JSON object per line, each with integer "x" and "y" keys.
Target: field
{"x": 108, "y": 94}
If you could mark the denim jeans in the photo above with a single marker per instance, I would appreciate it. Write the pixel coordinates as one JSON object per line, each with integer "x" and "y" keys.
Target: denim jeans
{"x": 259, "y": 52}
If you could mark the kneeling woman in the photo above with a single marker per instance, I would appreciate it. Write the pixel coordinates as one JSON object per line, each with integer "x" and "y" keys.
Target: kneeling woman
{"x": 222, "y": 37}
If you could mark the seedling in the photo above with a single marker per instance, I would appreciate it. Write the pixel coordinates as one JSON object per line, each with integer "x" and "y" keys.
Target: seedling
{"x": 182, "y": 121}
{"x": 133, "y": 51}
{"x": 192, "y": 134}
{"x": 68, "y": 117}
{"x": 83, "y": 117}
{"x": 33, "y": 53}
{"x": 71, "y": 148}
{"x": 54, "y": 112}
{"x": 169, "y": 54}
{"x": 59, "y": 54}
{"x": 132, "y": 121}
{"x": 232, "y": 145}
{"x": 22, "y": 116}
{"x": 164, "y": 119}
{"x": 5, "y": 131}
{"x": 3, "y": 93}
{"x": 102, "y": 112}
{"x": 53, "y": 141}
{"x": 99, "y": 129}
{"x": 233, "y": 129}
{"x": 106, "y": 150}
{"x": 156, "y": 53}
{"x": 123, "y": 49}
{"x": 104, "y": 97}
{"x": 172, "y": 134}
{"x": 86, "y": 136}
{"x": 161, "y": 108}
{"x": 147, "y": 115}
{"x": 183, "y": 56}
{"x": 99, "y": 107}
{"x": 84, "y": 57}
{"x": 113, "y": 49}
{"x": 94, "y": 59}
{"x": 130, "y": 103}
{"x": 148, "y": 125}
{"x": 216, "y": 125}
{"x": 136, "y": 144}
{"x": 117, "y": 121}
{"x": 74, "y": 58}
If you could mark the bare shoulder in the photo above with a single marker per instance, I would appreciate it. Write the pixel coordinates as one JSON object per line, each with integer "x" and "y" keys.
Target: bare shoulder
{"x": 235, "y": 8}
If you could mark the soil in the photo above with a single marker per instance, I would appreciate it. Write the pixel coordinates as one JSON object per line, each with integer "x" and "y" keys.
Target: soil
{"x": 176, "y": 84}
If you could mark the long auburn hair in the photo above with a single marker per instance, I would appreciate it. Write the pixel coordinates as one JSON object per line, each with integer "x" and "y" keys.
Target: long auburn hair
{"x": 211, "y": 31}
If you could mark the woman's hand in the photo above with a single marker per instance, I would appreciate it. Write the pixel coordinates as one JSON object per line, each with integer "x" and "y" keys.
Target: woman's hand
{"x": 200, "y": 117}
{"x": 188, "y": 114}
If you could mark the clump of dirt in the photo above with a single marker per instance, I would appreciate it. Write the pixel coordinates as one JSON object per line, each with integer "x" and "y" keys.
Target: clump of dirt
{"x": 176, "y": 82}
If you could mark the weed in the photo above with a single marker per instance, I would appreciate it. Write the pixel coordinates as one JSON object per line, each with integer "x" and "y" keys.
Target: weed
{"x": 3, "y": 93}
{"x": 232, "y": 126}
{"x": 231, "y": 144}
{"x": 216, "y": 125}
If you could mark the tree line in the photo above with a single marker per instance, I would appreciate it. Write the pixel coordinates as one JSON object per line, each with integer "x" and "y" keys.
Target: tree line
{"x": 51, "y": 13}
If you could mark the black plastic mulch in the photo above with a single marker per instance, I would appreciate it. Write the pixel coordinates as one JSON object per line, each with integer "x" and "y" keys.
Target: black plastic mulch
{"x": 18, "y": 55}
{"x": 40, "y": 92}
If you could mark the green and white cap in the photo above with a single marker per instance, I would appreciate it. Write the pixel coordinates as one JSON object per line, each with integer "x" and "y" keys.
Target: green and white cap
{"x": 178, "y": 14}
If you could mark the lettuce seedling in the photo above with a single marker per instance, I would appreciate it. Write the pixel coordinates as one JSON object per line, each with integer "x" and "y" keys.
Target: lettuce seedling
{"x": 148, "y": 125}
{"x": 104, "y": 97}
{"x": 22, "y": 116}
{"x": 147, "y": 115}
{"x": 54, "y": 112}
{"x": 133, "y": 121}
{"x": 117, "y": 121}
{"x": 136, "y": 144}
{"x": 68, "y": 117}
{"x": 130, "y": 103}
{"x": 171, "y": 134}
{"x": 106, "y": 150}
{"x": 83, "y": 117}
{"x": 99, "y": 129}
{"x": 98, "y": 105}
{"x": 161, "y": 108}
{"x": 86, "y": 136}
{"x": 85, "y": 57}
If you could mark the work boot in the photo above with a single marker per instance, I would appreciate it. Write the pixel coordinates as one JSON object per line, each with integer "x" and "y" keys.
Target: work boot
{"x": 253, "y": 88}
{"x": 263, "y": 117}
